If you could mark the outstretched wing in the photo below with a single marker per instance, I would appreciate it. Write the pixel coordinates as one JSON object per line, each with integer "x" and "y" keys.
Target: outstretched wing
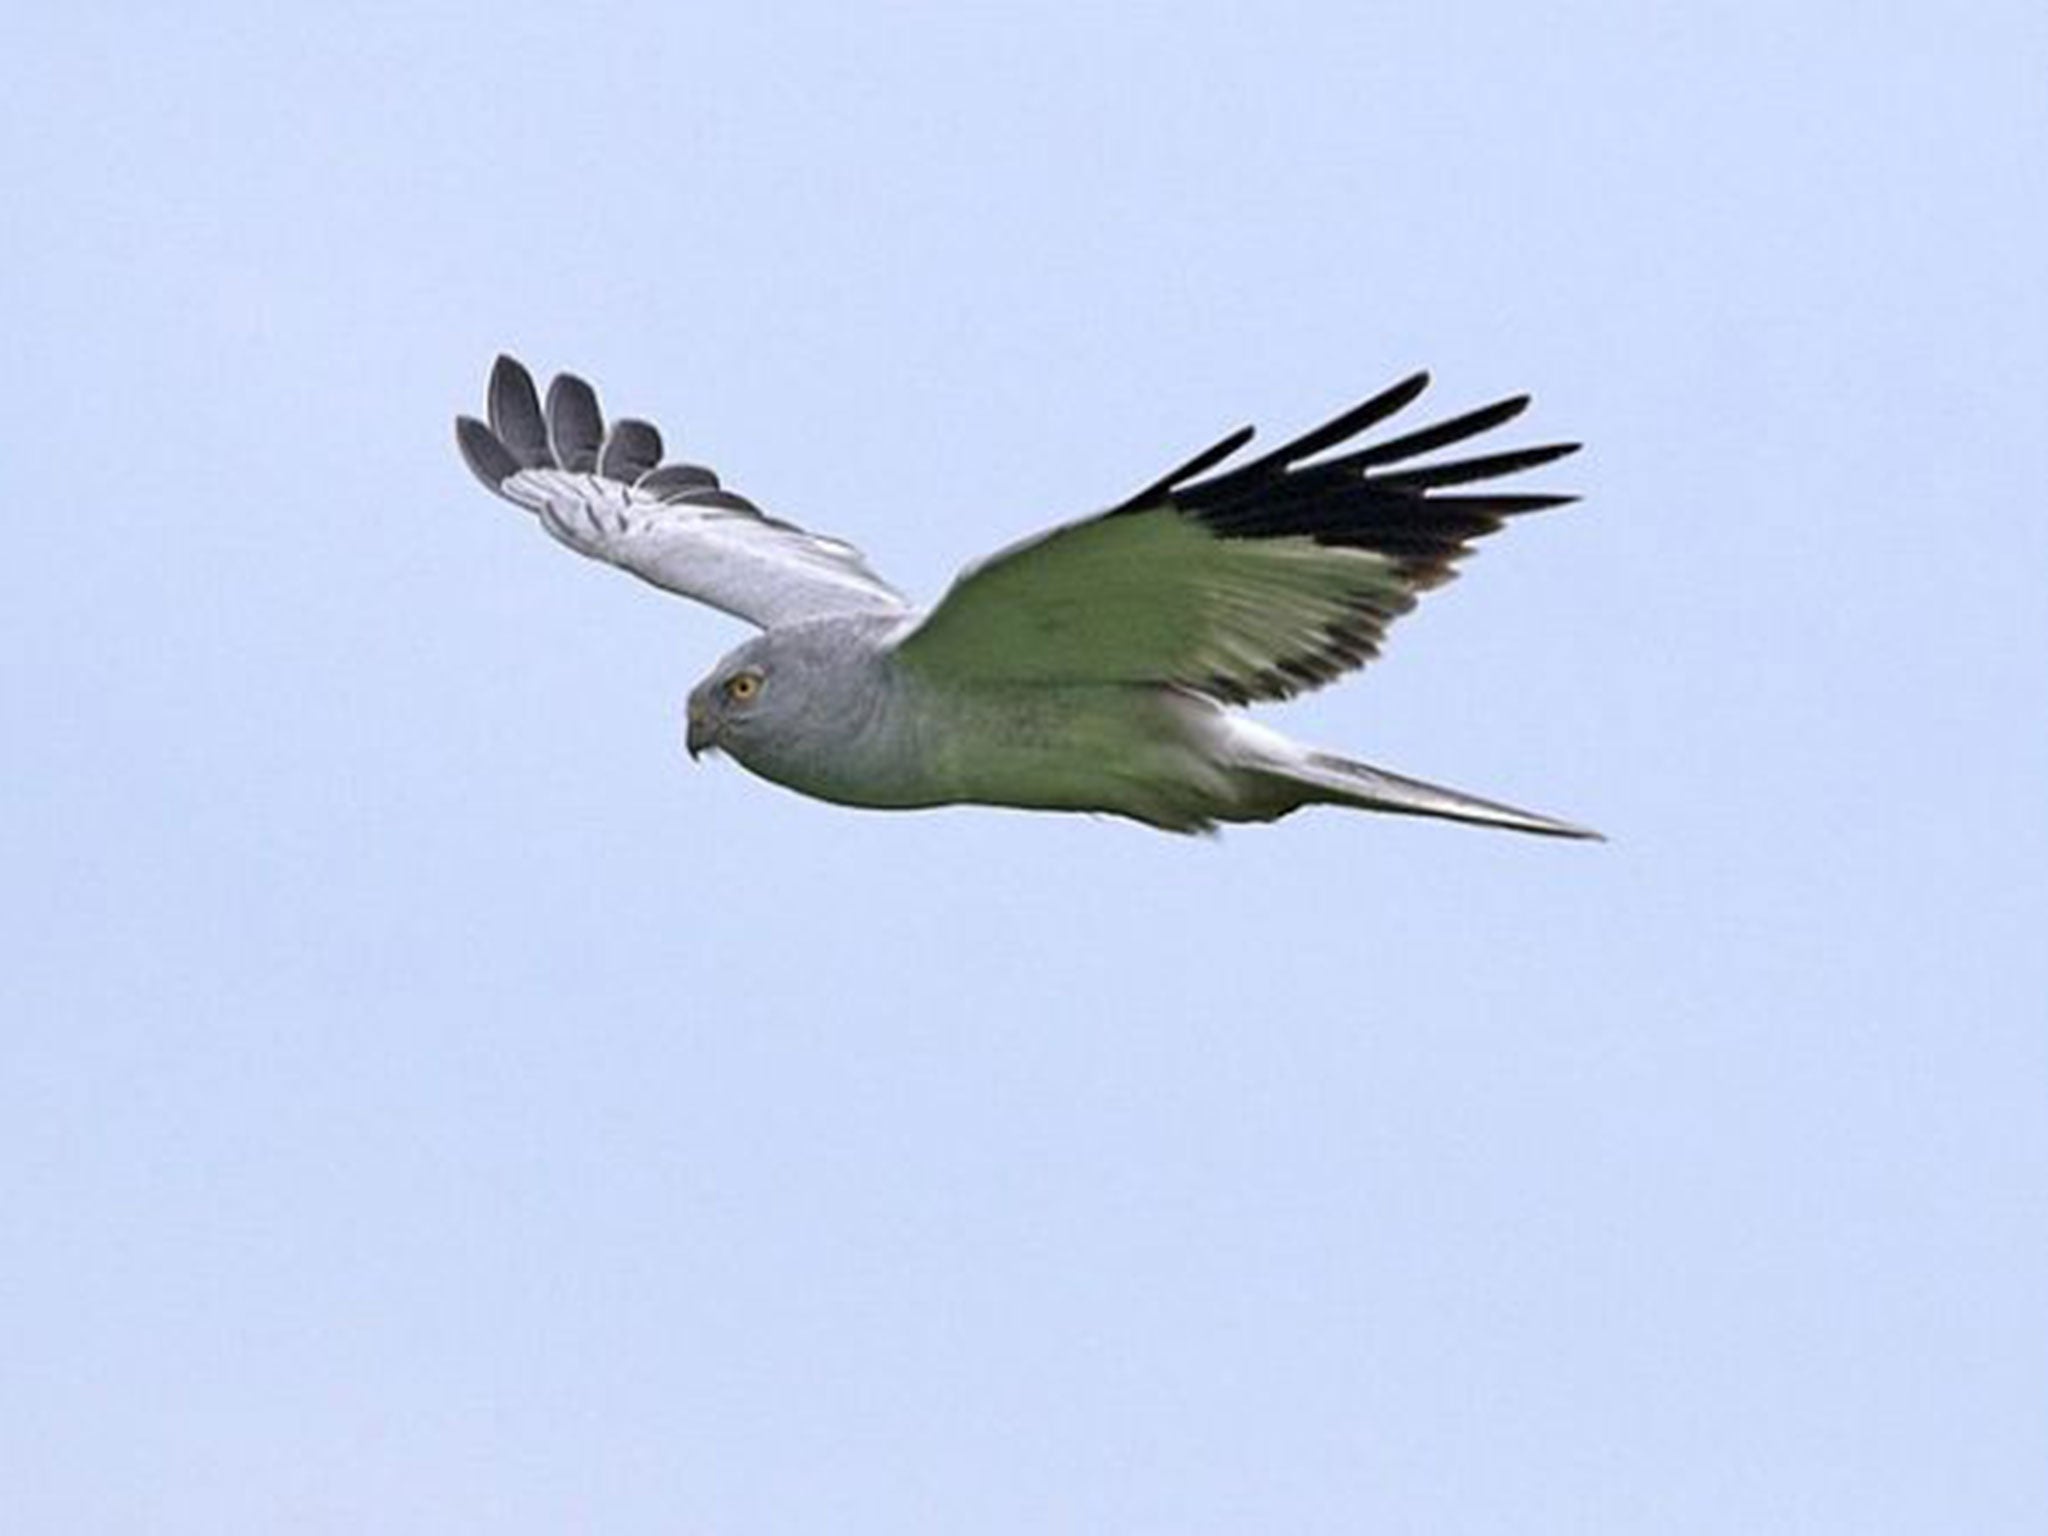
{"x": 1256, "y": 583}
{"x": 606, "y": 494}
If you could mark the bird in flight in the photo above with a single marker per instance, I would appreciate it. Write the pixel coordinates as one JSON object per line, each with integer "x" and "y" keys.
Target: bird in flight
{"x": 1091, "y": 667}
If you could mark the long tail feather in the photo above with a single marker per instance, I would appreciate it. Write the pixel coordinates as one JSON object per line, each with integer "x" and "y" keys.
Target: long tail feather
{"x": 1370, "y": 788}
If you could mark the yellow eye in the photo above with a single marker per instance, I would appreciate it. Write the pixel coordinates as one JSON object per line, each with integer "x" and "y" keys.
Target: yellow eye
{"x": 743, "y": 687}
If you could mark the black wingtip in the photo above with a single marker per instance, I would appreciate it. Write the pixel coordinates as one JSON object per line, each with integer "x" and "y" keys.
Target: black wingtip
{"x": 509, "y": 377}
{"x": 575, "y": 422}
{"x": 1340, "y": 429}
{"x": 1183, "y": 472}
{"x": 1408, "y": 389}
{"x": 486, "y": 457}
{"x": 1490, "y": 466}
{"x": 1501, "y": 504}
{"x": 513, "y": 409}
{"x": 1457, "y": 429}
{"x": 631, "y": 448}
{"x": 670, "y": 481}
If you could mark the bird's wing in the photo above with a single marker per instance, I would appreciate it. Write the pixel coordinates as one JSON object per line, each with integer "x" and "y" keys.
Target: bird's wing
{"x": 1258, "y": 582}
{"x": 606, "y": 494}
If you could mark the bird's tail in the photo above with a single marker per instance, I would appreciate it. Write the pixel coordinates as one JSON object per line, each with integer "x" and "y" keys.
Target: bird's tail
{"x": 1334, "y": 780}
{"x": 1281, "y": 775}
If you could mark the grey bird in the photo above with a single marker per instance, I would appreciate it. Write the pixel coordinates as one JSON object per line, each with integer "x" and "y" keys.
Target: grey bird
{"x": 1090, "y": 668}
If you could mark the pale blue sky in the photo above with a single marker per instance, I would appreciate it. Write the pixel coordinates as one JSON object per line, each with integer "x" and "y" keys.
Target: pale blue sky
{"x": 428, "y": 1103}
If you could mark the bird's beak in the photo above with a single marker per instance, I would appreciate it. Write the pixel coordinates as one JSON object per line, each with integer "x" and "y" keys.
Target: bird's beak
{"x": 702, "y": 735}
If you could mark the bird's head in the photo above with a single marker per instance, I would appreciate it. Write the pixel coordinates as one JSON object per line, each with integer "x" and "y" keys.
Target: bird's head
{"x": 799, "y": 705}
{"x": 733, "y": 701}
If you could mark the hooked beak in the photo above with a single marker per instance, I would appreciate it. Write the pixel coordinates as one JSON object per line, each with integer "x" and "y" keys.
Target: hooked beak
{"x": 702, "y": 735}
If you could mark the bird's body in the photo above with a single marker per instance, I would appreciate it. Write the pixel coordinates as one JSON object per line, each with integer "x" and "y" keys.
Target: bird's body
{"x": 1085, "y": 670}
{"x": 1141, "y": 750}
{"x": 854, "y": 723}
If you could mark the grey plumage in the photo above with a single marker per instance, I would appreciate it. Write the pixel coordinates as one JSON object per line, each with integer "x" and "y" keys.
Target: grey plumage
{"x": 1085, "y": 669}
{"x": 575, "y": 425}
{"x": 631, "y": 449}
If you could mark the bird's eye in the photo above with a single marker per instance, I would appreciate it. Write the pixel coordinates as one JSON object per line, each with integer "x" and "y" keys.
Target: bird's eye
{"x": 743, "y": 687}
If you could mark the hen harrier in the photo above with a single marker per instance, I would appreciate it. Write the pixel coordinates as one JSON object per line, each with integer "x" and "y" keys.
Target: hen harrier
{"x": 1086, "y": 669}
